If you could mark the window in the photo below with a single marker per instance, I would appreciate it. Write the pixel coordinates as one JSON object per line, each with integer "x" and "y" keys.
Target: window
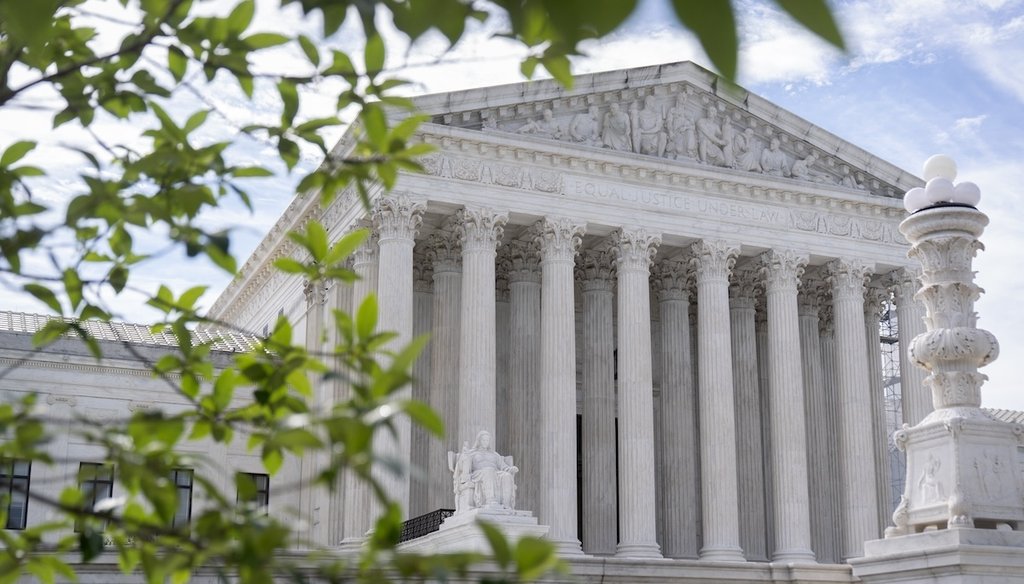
{"x": 14, "y": 484}
{"x": 96, "y": 481}
{"x": 254, "y": 488}
{"x": 182, "y": 478}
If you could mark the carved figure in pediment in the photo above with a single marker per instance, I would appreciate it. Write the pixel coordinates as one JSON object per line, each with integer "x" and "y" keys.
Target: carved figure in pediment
{"x": 748, "y": 151}
{"x": 585, "y": 128}
{"x": 616, "y": 134}
{"x": 682, "y": 136}
{"x": 709, "y": 139}
{"x": 849, "y": 181}
{"x": 804, "y": 169}
{"x": 773, "y": 160}
{"x": 490, "y": 124}
{"x": 545, "y": 127}
{"x": 649, "y": 135}
{"x": 729, "y": 143}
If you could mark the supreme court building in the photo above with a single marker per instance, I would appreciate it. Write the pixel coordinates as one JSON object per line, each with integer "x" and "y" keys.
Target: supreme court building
{"x": 661, "y": 297}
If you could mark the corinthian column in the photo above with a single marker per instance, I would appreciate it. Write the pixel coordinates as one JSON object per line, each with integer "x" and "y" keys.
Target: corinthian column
{"x": 820, "y": 433}
{"x": 524, "y": 368}
{"x": 916, "y": 399}
{"x": 444, "y": 253}
{"x": 423, "y": 316}
{"x": 781, "y": 271}
{"x": 749, "y": 459}
{"x": 340, "y": 392}
{"x": 876, "y": 300}
{"x": 359, "y": 505}
{"x": 637, "y": 524}
{"x": 713, "y": 261}
{"x": 857, "y": 492}
{"x": 597, "y": 275}
{"x": 559, "y": 239}
{"x": 481, "y": 230}
{"x": 311, "y": 495}
{"x": 671, "y": 280}
{"x": 396, "y": 219}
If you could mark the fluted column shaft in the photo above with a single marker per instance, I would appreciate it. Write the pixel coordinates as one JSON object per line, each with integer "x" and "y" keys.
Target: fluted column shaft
{"x": 749, "y": 460}
{"x": 310, "y": 495}
{"x": 524, "y": 369}
{"x": 874, "y": 305}
{"x": 713, "y": 260}
{"x": 559, "y": 239}
{"x": 637, "y": 493}
{"x": 341, "y": 298}
{"x": 480, "y": 229}
{"x": 679, "y": 507}
{"x": 423, "y": 317}
{"x": 782, "y": 270}
{"x": 832, "y": 402}
{"x": 396, "y": 219}
{"x": 916, "y": 398}
{"x": 359, "y": 502}
{"x": 761, "y": 335}
{"x": 858, "y": 495}
{"x": 597, "y": 276}
{"x": 820, "y": 452}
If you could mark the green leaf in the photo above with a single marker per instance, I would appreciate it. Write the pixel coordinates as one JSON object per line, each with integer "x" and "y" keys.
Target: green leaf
{"x": 16, "y": 152}
{"x": 251, "y": 171}
{"x": 310, "y": 49}
{"x": 195, "y": 120}
{"x": 366, "y": 317}
{"x": 241, "y": 16}
{"x": 290, "y": 266}
{"x": 499, "y": 545}
{"x": 816, "y": 16}
{"x": 423, "y": 415}
{"x": 346, "y": 246}
{"x": 290, "y": 97}
{"x": 73, "y": 286}
{"x": 50, "y": 332}
{"x": 28, "y": 23}
{"x": 715, "y": 26}
{"x": 374, "y": 55}
{"x": 316, "y": 235}
{"x": 177, "y": 62}
{"x": 272, "y": 458}
{"x": 45, "y": 295}
{"x": 560, "y": 69}
{"x": 263, "y": 40}
{"x": 534, "y": 557}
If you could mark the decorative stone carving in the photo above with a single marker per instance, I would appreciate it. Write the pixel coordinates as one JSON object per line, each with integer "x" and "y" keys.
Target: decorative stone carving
{"x": 422, "y": 270}
{"x": 545, "y": 127}
{"x": 397, "y": 216}
{"x": 595, "y": 269}
{"x": 649, "y": 135}
{"x": 782, "y": 269}
{"x": 847, "y": 277}
{"x": 635, "y": 249}
{"x": 444, "y": 248}
{"x": 774, "y": 161}
{"x": 710, "y": 144}
{"x": 713, "y": 259}
{"x": 482, "y": 478}
{"x": 682, "y": 134}
{"x": 524, "y": 260}
{"x": 803, "y": 169}
{"x": 616, "y": 133}
{"x": 747, "y": 151}
{"x": 315, "y": 292}
{"x": 366, "y": 253}
{"x": 480, "y": 229}
{"x": 672, "y": 279}
{"x": 585, "y": 128}
{"x": 559, "y": 237}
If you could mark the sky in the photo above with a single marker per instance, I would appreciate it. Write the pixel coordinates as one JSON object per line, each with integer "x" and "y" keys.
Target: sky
{"x": 920, "y": 77}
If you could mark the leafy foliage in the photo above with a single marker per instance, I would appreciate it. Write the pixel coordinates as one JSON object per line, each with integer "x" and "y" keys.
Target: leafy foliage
{"x": 164, "y": 180}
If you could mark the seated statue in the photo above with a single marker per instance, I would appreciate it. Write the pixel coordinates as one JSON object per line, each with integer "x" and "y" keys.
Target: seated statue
{"x": 482, "y": 478}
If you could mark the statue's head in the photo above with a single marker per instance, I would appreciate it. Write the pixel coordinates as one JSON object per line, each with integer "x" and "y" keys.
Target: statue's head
{"x": 775, "y": 144}
{"x": 548, "y": 115}
{"x": 483, "y": 440}
{"x": 614, "y": 108}
{"x": 649, "y": 101}
{"x": 593, "y": 111}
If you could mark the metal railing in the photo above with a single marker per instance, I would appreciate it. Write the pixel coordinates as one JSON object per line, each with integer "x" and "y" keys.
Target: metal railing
{"x": 424, "y": 524}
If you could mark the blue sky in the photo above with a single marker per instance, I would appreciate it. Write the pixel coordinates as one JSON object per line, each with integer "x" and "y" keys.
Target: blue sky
{"x": 921, "y": 77}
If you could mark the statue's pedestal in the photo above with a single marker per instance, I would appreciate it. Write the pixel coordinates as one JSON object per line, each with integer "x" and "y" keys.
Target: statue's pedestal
{"x": 945, "y": 556}
{"x": 461, "y": 533}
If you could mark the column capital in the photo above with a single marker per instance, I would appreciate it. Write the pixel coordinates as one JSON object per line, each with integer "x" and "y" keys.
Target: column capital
{"x": 672, "y": 279}
{"x": 397, "y": 216}
{"x": 444, "y": 248}
{"x": 502, "y": 268}
{"x": 559, "y": 237}
{"x": 876, "y": 298}
{"x": 480, "y": 229}
{"x": 635, "y": 248}
{"x": 743, "y": 287}
{"x": 523, "y": 257}
{"x": 366, "y": 253}
{"x": 422, "y": 271}
{"x": 826, "y": 320}
{"x": 810, "y": 296}
{"x": 315, "y": 292}
{"x": 596, "y": 268}
{"x": 847, "y": 277}
{"x": 713, "y": 259}
{"x": 781, "y": 269}
{"x": 904, "y": 283}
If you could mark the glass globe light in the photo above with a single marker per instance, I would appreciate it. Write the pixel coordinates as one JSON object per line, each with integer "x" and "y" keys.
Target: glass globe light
{"x": 967, "y": 193}
{"x": 939, "y": 190}
{"x": 939, "y": 165}
{"x": 915, "y": 199}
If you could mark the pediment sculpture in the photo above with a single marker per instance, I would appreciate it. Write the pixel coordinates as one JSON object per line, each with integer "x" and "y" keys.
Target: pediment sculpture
{"x": 482, "y": 478}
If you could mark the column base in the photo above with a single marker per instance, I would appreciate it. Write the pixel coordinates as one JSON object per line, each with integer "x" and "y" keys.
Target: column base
{"x": 797, "y": 556}
{"x": 568, "y": 547}
{"x": 722, "y": 554}
{"x": 638, "y": 550}
{"x": 351, "y": 545}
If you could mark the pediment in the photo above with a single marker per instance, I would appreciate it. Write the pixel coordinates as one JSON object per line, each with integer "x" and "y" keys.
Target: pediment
{"x": 672, "y": 112}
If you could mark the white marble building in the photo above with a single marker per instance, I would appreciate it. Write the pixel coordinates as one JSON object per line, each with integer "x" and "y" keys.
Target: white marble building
{"x": 661, "y": 297}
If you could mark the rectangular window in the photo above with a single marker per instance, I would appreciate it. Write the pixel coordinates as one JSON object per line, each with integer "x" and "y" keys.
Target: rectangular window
{"x": 254, "y": 488}
{"x": 14, "y": 485}
{"x": 96, "y": 481}
{"x": 182, "y": 478}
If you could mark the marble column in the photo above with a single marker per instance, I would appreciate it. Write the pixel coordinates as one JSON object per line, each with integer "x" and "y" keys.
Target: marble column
{"x": 915, "y": 397}
{"x": 713, "y": 261}
{"x": 827, "y": 331}
{"x": 481, "y": 230}
{"x": 502, "y": 331}
{"x": 637, "y": 494}
{"x": 359, "y": 500}
{"x": 311, "y": 495}
{"x": 749, "y": 460}
{"x": 876, "y": 301}
{"x": 596, "y": 273}
{"x": 423, "y": 318}
{"x": 559, "y": 239}
{"x": 396, "y": 219}
{"x": 341, "y": 299}
{"x": 444, "y": 253}
{"x": 679, "y": 509}
{"x": 524, "y": 368}
{"x": 781, "y": 270}
{"x": 857, "y": 492}
{"x": 819, "y": 425}
{"x": 761, "y": 334}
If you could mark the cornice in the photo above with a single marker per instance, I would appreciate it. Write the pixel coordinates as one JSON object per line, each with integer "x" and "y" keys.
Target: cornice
{"x": 72, "y": 366}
